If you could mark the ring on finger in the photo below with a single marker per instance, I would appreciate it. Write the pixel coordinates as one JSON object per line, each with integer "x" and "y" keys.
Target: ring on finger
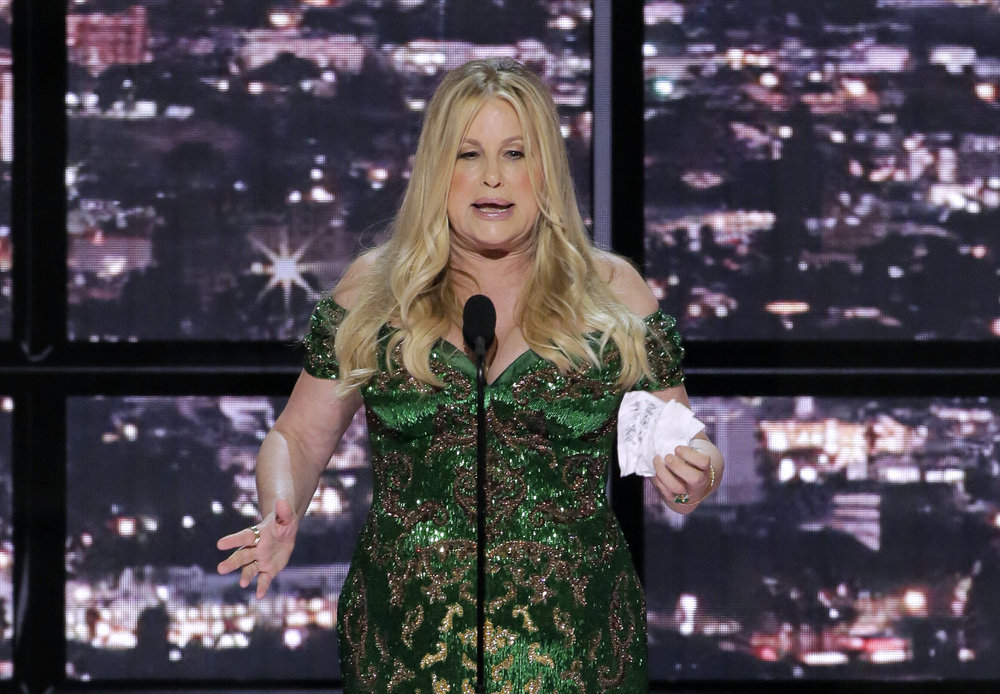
{"x": 682, "y": 498}
{"x": 256, "y": 535}
{"x": 257, "y": 564}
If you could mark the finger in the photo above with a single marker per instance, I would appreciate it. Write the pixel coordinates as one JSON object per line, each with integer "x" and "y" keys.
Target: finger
{"x": 690, "y": 476}
{"x": 247, "y": 575}
{"x": 665, "y": 492}
{"x": 693, "y": 457}
{"x": 684, "y": 471}
{"x": 665, "y": 476}
{"x": 232, "y": 541}
{"x": 233, "y": 561}
{"x": 263, "y": 583}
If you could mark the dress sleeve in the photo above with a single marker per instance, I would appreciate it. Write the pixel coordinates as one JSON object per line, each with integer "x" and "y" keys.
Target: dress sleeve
{"x": 664, "y": 352}
{"x": 321, "y": 360}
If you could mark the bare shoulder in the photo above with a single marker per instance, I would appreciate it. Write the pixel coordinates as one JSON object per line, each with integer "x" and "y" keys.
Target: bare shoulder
{"x": 348, "y": 290}
{"x": 627, "y": 283}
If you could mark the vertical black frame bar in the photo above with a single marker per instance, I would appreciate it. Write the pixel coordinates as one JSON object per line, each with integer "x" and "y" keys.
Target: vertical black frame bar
{"x": 626, "y": 182}
{"x": 38, "y": 208}
{"x": 38, "y": 229}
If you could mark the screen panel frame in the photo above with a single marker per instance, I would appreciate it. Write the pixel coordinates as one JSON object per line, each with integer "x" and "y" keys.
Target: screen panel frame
{"x": 42, "y": 369}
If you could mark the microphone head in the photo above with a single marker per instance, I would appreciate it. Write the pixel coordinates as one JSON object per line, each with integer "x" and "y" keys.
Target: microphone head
{"x": 479, "y": 320}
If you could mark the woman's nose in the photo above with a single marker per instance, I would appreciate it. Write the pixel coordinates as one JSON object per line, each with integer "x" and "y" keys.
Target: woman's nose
{"x": 491, "y": 176}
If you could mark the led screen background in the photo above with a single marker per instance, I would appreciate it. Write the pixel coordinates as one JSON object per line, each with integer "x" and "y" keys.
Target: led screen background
{"x": 6, "y": 538}
{"x": 6, "y": 162}
{"x": 227, "y": 159}
{"x": 824, "y": 170}
{"x": 852, "y": 538}
{"x": 153, "y": 481}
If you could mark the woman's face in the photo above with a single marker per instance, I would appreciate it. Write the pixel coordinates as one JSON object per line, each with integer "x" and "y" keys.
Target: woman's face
{"x": 491, "y": 204}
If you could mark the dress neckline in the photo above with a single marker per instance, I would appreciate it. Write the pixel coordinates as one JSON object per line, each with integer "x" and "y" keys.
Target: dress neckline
{"x": 467, "y": 366}
{"x": 461, "y": 361}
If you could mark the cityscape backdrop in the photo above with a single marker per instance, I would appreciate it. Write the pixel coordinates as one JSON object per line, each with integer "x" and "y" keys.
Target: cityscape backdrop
{"x": 856, "y": 538}
{"x": 851, "y": 539}
{"x": 824, "y": 170}
{"x": 6, "y": 161}
{"x": 227, "y": 158}
{"x": 6, "y": 539}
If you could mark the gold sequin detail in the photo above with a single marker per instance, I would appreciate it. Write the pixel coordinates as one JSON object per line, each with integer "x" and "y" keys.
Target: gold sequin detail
{"x": 438, "y": 566}
{"x": 573, "y": 675}
{"x": 595, "y": 643}
{"x": 504, "y": 664}
{"x": 565, "y": 626}
{"x": 534, "y": 686}
{"x": 532, "y": 564}
{"x": 535, "y": 657}
{"x": 395, "y": 474}
{"x": 355, "y": 631}
{"x": 499, "y": 602}
{"x": 577, "y": 472}
{"x": 453, "y": 611}
{"x": 468, "y": 662}
{"x": 414, "y": 618}
{"x": 400, "y": 675}
{"x": 465, "y": 592}
{"x": 522, "y": 611}
{"x": 494, "y": 638}
{"x": 621, "y": 628}
{"x": 526, "y": 430}
{"x": 432, "y": 658}
{"x": 440, "y": 686}
{"x": 467, "y": 686}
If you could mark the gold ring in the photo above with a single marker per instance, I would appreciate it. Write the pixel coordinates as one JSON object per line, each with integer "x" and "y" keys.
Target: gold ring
{"x": 257, "y": 564}
{"x": 256, "y": 535}
{"x": 682, "y": 498}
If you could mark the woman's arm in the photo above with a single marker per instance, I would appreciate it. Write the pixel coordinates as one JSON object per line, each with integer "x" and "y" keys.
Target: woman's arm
{"x": 291, "y": 459}
{"x": 692, "y": 471}
{"x": 297, "y": 449}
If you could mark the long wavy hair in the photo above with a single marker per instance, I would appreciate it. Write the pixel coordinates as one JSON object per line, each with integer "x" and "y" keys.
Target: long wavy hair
{"x": 407, "y": 281}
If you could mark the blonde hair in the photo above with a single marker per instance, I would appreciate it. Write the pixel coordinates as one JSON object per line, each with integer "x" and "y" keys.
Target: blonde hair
{"x": 407, "y": 281}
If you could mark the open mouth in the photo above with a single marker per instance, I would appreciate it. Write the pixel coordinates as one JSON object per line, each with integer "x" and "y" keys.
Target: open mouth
{"x": 493, "y": 207}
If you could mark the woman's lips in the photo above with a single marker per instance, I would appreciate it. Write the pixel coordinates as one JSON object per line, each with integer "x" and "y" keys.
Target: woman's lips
{"x": 493, "y": 210}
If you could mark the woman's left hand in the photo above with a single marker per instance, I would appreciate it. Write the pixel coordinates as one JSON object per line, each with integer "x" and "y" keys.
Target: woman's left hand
{"x": 683, "y": 477}
{"x": 263, "y": 549}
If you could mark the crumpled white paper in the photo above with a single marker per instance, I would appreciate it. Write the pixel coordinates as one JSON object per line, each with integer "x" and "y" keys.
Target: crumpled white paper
{"x": 648, "y": 426}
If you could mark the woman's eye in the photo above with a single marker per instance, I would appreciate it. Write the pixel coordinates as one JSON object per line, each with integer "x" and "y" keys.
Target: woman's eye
{"x": 515, "y": 154}
{"x": 468, "y": 155}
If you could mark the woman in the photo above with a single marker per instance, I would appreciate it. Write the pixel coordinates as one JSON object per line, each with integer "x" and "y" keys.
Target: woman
{"x": 489, "y": 209}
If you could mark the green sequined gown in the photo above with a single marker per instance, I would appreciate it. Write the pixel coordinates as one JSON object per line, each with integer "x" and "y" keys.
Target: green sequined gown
{"x": 565, "y": 610}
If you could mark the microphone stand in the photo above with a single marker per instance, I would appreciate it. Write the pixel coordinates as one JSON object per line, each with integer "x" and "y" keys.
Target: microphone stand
{"x": 479, "y": 319}
{"x": 480, "y": 514}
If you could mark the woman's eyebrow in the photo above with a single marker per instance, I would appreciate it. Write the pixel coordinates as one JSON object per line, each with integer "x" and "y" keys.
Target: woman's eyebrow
{"x": 477, "y": 143}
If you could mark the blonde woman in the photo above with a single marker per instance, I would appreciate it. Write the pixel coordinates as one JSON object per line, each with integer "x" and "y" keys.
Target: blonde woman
{"x": 490, "y": 209}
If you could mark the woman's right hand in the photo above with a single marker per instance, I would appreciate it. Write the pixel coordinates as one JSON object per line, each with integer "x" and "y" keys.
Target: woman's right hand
{"x": 263, "y": 557}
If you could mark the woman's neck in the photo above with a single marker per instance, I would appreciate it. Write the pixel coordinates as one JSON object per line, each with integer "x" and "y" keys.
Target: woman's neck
{"x": 489, "y": 274}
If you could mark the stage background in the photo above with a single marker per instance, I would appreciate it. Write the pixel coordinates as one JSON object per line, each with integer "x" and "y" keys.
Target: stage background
{"x": 812, "y": 189}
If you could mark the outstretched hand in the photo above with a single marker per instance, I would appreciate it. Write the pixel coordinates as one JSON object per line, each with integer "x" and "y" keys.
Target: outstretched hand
{"x": 262, "y": 553}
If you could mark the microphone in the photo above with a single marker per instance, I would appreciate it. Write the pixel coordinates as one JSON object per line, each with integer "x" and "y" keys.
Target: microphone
{"x": 479, "y": 324}
{"x": 479, "y": 327}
